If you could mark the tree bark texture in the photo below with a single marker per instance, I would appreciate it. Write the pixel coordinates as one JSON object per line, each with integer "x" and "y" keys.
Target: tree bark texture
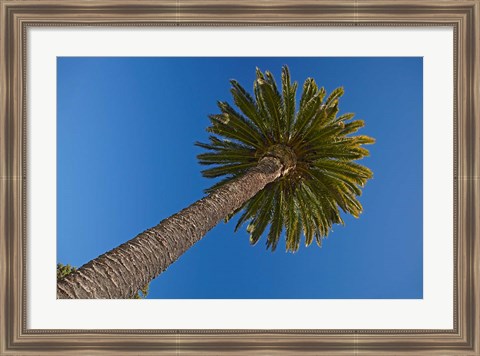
{"x": 121, "y": 272}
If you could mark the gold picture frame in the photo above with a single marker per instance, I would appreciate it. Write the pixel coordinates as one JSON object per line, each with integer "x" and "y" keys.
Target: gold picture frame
{"x": 17, "y": 15}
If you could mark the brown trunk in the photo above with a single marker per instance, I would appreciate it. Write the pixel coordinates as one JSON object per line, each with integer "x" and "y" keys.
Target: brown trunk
{"x": 121, "y": 272}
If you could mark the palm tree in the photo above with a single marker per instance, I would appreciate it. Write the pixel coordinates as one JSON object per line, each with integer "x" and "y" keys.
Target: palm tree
{"x": 65, "y": 270}
{"x": 287, "y": 169}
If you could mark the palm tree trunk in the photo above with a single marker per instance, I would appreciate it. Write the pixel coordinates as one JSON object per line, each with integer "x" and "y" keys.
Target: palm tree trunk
{"x": 121, "y": 272}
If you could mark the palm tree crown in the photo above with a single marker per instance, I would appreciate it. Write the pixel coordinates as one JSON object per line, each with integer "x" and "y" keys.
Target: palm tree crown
{"x": 315, "y": 146}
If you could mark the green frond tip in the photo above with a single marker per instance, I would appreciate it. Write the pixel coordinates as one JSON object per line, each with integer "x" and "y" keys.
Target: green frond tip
{"x": 314, "y": 139}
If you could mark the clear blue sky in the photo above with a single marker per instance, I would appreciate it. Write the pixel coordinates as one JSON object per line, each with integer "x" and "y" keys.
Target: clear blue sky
{"x": 126, "y": 159}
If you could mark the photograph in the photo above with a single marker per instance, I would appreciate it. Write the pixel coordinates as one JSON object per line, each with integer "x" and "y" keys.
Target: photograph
{"x": 239, "y": 177}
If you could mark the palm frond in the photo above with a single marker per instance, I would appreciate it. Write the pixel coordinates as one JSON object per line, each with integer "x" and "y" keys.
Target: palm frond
{"x": 248, "y": 106}
{"x": 289, "y": 91}
{"x": 271, "y": 103}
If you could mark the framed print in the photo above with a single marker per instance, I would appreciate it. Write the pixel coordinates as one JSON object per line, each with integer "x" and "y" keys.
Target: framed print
{"x": 102, "y": 103}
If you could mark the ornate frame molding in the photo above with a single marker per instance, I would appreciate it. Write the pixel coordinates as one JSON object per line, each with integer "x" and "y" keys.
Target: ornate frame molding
{"x": 17, "y": 15}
